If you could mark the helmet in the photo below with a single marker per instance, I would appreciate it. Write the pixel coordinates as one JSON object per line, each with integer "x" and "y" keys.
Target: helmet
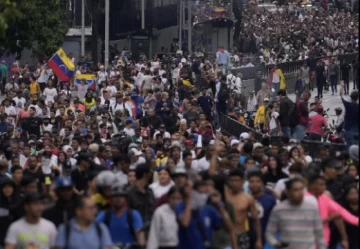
{"x": 63, "y": 182}
{"x": 338, "y": 110}
{"x": 121, "y": 135}
{"x": 105, "y": 179}
{"x": 118, "y": 189}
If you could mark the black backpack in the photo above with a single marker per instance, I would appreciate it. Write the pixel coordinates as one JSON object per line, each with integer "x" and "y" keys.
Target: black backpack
{"x": 129, "y": 219}
{"x": 67, "y": 234}
{"x": 224, "y": 93}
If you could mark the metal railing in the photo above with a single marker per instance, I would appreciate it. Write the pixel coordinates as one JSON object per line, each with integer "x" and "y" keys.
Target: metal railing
{"x": 286, "y": 67}
{"x": 235, "y": 128}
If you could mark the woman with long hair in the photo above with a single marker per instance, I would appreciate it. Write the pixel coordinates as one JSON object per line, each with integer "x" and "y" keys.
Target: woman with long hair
{"x": 295, "y": 156}
{"x": 164, "y": 183}
{"x": 274, "y": 171}
{"x": 89, "y": 101}
{"x": 22, "y": 114}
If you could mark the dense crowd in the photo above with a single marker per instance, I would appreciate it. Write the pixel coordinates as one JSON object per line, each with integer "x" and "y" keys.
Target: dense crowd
{"x": 137, "y": 161}
{"x": 293, "y": 33}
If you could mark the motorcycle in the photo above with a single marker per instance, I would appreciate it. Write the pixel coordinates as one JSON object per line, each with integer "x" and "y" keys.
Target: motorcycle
{"x": 330, "y": 136}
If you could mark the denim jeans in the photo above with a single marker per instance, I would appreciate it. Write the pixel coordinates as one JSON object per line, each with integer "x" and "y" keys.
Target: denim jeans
{"x": 351, "y": 137}
{"x": 286, "y": 130}
{"x": 314, "y": 137}
{"x": 300, "y": 132}
{"x": 333, "y": 82}
{"x": 276, "y": 87}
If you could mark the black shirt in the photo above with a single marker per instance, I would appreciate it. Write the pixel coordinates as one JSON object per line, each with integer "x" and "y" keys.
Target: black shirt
{"x": 32, "y": 125}
{"x": 143, "y": 202}
{"x": 345, "y": 71}
{"x": 320, "y": 71}
{"x": 80, "y": 179}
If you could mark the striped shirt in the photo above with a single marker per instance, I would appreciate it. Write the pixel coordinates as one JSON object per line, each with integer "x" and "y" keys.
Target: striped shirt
{"x": 299, "y": 226}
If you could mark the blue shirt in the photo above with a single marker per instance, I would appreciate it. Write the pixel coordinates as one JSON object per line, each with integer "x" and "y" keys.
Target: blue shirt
{"x": 351, "y": 118}
{"x": 79, "y": 239}
{"x": 119, "y": 226}
{"x": 4, "y": 127}
{"x": 190, "y": 237}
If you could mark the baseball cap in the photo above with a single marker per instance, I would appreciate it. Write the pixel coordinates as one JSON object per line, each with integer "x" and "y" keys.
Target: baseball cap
{"x": 330, "y": 163}
{"x": 134, "y": 152}
{"x": 63, "y": 182}
{"x": 257, "y": 145}
{"x": 175, "y": 144}
{"x": 132, "y": 145}
{"x": 244, "y": 136}
{"x": 183, "y": 60}
{"x": 179, "y": 171}
{"x": 266, "y": 100}
{"x": 31, "y": 142}
{"x": 188, "y": 142}
{"x": 234, "y": 142}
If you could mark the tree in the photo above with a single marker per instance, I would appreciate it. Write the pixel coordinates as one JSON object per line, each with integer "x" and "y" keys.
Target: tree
{"x": 8, "y": 14}
{"x": 40, "y": 25}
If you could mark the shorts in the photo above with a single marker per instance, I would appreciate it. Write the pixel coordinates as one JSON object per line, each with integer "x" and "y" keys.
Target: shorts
{"x": 243, "y": 240}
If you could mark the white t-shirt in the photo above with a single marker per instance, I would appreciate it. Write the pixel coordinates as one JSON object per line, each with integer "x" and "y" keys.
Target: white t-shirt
{"x": 200, "y": 165}
{"x": 50, "y": 94}
{"x": 20, "y": 102}
{"x": 102, "y": 77}
{"x": 24, "y": 235}
{"x": 154, "y": 65}
{"x": 160, "y": 190}
{"x": 10, "y": 111}
{"x": 275, "y": 78}
{"x": 273, "y": 123}
{"x": 130, "y": 131}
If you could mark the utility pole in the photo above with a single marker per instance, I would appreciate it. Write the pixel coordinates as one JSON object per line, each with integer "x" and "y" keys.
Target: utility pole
{"x": 142, "y": 14}
{"x": 180, "y": 23}
{"x": 82, "y": 27}
{"x": 107, "y": 20}
{"x": 190, "y": 26}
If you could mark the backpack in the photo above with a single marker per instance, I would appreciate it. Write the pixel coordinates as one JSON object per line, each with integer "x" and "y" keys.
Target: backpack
{"x": 67, "y": 234}
{"x": 129, "y": 219}
{"x": 224, "y": 94}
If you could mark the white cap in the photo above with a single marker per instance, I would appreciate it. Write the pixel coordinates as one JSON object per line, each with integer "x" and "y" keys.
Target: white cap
{"x": 266, "y": 99}
{"x": 212, "y": 142}
{"x": 244, "y": 136}
{"x": 257, "y": 145}
{"x": 136, "y": 152}
{"x": 175, "y": 144}
{"x": 183, "y": 60}
{"x": 234, "y": 142}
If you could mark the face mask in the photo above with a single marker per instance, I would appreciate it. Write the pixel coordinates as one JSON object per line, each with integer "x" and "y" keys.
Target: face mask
{"x": 199, "y": 200}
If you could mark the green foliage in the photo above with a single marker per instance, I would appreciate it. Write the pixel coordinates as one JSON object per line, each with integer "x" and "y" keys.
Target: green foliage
{"x": 40, "y": 25}
{"x": 8, "y": 14}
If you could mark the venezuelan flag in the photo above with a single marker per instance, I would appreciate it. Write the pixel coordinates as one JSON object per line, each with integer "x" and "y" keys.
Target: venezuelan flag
{"x": 62, "y": 66}
{"x": 89, "y": 79}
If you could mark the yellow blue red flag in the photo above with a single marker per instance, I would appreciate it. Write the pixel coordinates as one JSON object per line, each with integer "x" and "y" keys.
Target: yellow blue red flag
{"x": 62, "y": 66}
{"x": 88, "y": 78}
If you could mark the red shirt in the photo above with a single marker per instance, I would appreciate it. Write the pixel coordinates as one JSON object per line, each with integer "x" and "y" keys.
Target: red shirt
{"x": 317, "y": 123}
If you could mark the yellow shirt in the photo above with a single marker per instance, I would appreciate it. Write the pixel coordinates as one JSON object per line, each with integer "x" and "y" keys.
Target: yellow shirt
{"x": 89, "y": 105}
{"x": 34, "y": 90}
{"x": 260, "y": 115}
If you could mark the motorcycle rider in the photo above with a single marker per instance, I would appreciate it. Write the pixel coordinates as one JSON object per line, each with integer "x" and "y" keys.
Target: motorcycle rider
{"x": 104, "y": 181}
{"x": 338, "y": 123}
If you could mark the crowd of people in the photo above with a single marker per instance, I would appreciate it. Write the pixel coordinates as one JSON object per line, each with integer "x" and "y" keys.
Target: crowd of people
{"x": 293, "y": 34}
{"x": 138, "y": 162}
